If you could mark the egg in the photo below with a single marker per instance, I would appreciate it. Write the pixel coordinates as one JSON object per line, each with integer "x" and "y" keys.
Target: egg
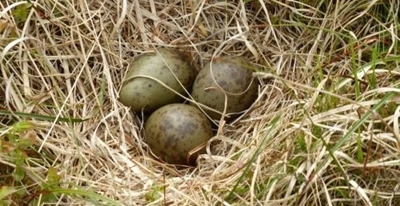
{"x": 226, "y": 76}
{"x": 141, "y": 88}
{"x": 174, "y": 130}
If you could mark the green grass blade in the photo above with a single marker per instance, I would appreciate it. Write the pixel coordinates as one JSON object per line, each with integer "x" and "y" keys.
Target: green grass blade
{"x": 360, "y": 122}
{"x": 42, "y": 117}
{"x": 88, "y": 194}
{"x": 253, "y": 158}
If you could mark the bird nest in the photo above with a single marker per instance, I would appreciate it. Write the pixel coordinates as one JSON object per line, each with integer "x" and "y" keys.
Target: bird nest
{"x": 319, "y": 132}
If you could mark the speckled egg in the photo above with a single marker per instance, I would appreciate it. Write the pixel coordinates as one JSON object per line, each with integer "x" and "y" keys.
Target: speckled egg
{"x": 230, "y": 75}
{"x": 141, "y": 89}
{"x": 174, "y": 130}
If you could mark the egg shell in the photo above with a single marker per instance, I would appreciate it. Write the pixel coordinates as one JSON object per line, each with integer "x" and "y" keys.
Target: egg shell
{"x": 174, "y": 130}
{"x": 140, "y": 92}
{"x": 231, "y": 75}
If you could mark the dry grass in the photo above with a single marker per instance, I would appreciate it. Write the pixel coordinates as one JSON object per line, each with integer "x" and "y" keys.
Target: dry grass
{"x": 316, "y": 135}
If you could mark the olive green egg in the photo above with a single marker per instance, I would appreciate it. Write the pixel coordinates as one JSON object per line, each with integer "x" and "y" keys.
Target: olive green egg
{"x": 174, "y": 130}
{"x": 141, "y": 89}
{"x": 230, "y": 75}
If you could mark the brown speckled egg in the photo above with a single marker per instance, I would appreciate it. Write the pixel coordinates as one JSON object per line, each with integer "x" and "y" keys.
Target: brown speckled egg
{"x": 231, "y": 75}
{"x": 139, "y": 92}
{"x": 174, "y": 130}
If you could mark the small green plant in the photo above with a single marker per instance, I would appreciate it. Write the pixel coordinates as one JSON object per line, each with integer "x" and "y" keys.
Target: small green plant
{"x": 5, "y": 192}
{"x": 18, "y": 186}
{"x": 154, "y": 193}
{"x": 14, "y": 148}
{"x": 21, "y": 13}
